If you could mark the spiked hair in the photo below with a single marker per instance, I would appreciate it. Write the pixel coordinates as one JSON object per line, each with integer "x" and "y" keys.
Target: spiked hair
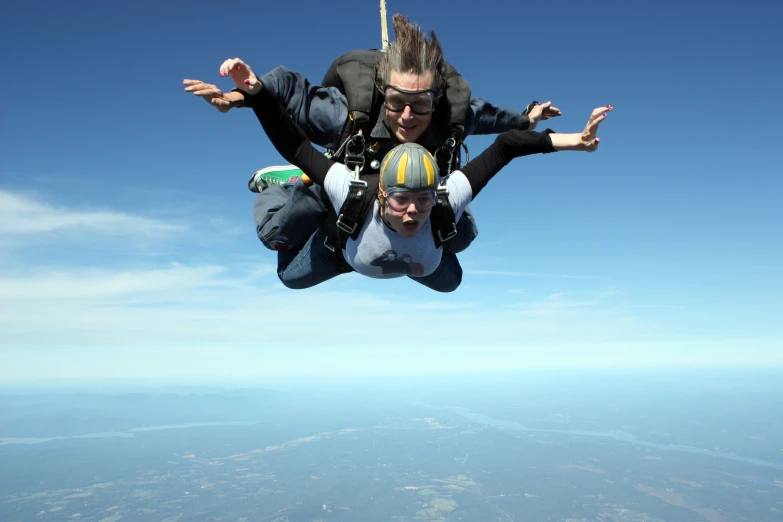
{"x": 412, "y": 52}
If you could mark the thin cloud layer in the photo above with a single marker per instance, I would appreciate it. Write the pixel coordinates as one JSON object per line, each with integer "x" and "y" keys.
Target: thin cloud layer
{"x": 22, "y": 215}
{"x": 230, "y": 305}
{"x": 503, "y": 273}
{"x": 86, "y": 284}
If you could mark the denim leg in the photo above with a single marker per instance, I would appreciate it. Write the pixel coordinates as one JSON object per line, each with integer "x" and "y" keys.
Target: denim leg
{"x": 446, "y": 278}
{"x": 308, "y": 267}
{"x": 286, "y": 215}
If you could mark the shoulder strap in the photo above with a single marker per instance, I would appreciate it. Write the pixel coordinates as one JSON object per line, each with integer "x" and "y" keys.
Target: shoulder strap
{"x": 458, "y": 96}
{"x": 355, "y": 75}
{"x": 347, "y": 223}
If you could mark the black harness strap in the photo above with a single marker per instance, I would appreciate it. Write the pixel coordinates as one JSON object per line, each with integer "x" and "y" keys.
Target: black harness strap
{"x": 352, "y": 213}
{"x": 355, "y": 75}
{"x": 458, "y": 95}
{"x": 444, "y": 227}
{"x": 338, "y": 227}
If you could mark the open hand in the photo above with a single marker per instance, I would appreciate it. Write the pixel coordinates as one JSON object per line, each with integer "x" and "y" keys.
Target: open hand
{"x": 542, "y": 111}
{"x": 242, "y": 75}
{"x": 589, "y": 140}
{"x": 212, "y": 95}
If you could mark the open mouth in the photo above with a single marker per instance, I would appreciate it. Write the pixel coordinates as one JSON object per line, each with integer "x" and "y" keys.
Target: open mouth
{"x": 411, "y": 225}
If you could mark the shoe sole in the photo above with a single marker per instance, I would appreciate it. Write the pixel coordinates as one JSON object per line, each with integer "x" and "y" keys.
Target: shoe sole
{"x": 253, "y": 185}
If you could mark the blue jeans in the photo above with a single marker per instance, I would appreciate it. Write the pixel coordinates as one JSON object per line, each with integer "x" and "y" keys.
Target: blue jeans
{"x": 310, "y": 266}
{"x": 315, "y": 264}
{"x": 286, "y": 215}
{"x": 446, "y": 278}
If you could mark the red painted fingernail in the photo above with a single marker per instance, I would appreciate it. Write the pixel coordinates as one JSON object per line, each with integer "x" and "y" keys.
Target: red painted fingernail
{"x": 247, "y": 82}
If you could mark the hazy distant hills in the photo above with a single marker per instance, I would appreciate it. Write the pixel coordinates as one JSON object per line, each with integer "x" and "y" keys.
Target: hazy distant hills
{"x": 68, "y": 414}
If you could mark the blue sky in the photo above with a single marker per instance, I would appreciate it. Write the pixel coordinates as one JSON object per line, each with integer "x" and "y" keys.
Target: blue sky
{"x": 127, "y": 241}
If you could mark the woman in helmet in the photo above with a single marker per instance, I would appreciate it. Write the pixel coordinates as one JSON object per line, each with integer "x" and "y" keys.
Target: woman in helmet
{"x": 390, "y": 242}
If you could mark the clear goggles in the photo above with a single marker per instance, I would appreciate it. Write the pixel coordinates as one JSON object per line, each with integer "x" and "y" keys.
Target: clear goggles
{"x": 401, "y": 201}
{"x": 420, "y": 102}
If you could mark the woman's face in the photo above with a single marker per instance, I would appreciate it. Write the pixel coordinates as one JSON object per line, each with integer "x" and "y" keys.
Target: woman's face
{"x": 406, "y": 212}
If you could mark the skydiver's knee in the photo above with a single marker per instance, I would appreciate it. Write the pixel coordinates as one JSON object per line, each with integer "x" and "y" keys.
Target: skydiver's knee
{"x": 294, "y": 283}
{"x": 448, "y": 289}
{"x": 451, "y": 283}
{"x": 454, "y": 284}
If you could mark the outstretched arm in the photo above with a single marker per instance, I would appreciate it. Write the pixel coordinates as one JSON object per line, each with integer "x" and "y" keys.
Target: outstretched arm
{"x": 517, "y": 143}
{"x": 587, "y": 140}
{"x": 485, "y": 118}
{"x": 320, "y": 111}
{"x": 288, "y": 138}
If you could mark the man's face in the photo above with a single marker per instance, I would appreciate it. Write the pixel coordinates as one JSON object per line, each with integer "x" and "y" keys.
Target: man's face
{"x": 406, "y": 125}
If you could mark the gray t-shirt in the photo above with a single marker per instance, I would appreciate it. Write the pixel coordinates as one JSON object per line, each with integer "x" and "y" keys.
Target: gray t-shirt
{"x": 381, "y": 252}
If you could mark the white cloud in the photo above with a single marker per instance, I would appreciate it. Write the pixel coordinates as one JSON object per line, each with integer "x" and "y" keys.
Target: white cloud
{"x": 204, "y": 303}
{"x": 22, "y": 215}
{"x": 75, "y": 285}
{"x": 523, "y": 274}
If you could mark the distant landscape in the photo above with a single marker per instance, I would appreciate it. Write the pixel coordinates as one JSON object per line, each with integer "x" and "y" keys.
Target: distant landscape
{"x": 677, "y": 446}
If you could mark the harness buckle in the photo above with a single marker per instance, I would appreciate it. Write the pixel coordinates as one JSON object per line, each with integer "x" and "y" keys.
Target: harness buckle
{"x": 342, "y": 224}
{"x": 356, "y": 197}
{"x": 356, "y": 188}
{"x": 328, "y": 244}
{"x": 450, "y": 234}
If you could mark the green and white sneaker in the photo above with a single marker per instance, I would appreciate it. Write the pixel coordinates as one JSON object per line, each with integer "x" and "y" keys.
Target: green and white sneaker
{"x": 271, "y": 176}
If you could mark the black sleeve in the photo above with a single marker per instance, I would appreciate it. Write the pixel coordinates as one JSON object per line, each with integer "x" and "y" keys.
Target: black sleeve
{"x": 288, "y": 137}
{"x": 508, "y": 145}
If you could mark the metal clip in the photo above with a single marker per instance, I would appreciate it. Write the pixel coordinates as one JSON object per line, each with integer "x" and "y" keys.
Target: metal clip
{"x": 357, "y": 188}
{"x": 445, "y": 156}
{"x": 344, "y": 226}
{"x": 449, "y": 235}
{"x": 354, "y": 152}
{"x": 327, "y": 245}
